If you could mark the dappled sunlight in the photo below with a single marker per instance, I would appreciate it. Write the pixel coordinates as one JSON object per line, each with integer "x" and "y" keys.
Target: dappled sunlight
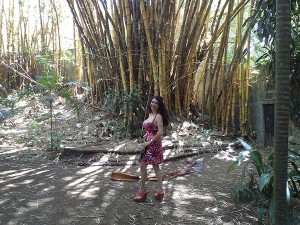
{"x": 108, "y": 197}
{"x": 185, "y": 193}
{"x": 2, "y": 173}
{"x": 8, "y": 186}
{"x": 212, "y": 210}
{"x": 43, "y": 185}
{"x": 87, "y": 193}
{"x": 3, "y": 200}
{"x": 14, "y": 131}
{"x": 127, "y": 166}
{"x": 106, "y": 174}
{"x": 104, "y": 159}
{"x": 169, "y": 153}
{"x": 16, "y": 174}
{"x": 29, "y": 208}
{"x": 77, "y": 183}
{"x": 50, "y": 188}
{"x": 90, "y": 170}
{"x": 228, "y": 155}
{"x": 91, "y": 192}
{"x": 79, "y": 187}
{"x": 28, "y": 181}
{"x": 42, "y": 171}
{"x": 167, "y": 143}
{"x": 86, "y": 186}
{"x": 69, "y": 178}
{"x": 117, "y": 148}
{"x": 12, "y": 151}
{"x": 130, "y": 162}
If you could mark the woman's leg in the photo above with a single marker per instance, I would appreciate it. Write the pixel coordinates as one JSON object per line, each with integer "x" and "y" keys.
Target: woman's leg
{"x": 158, "y": 177}
{"x": 142, "y": 195}
{"x": 143, "y": 168}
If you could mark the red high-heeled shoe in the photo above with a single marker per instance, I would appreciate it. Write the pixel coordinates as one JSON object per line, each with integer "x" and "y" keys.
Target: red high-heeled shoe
{"x": 141, "y": 196}
{"x": 159, "y": 195}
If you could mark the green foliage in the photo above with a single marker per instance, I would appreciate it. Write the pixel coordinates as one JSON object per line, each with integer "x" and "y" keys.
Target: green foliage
{"x": 122, "y": 103}
{"x": 65, "y": 93}
{"x": 295, "y": 91}
{"x": 264, "y": 16}
{"x": 259, "y": 186}
{"x": 34, "y": 125}
{"x": 31, "y": 138}
{"x": 56, "y": 138}
{"x": 48, "y": 81}
{"x": 115, "y": 128}
{"x": 49, "y": 86}
{"x": 7, "y": 102}
{"x": 266, "y": 63}
{"x": 45, "y": 61}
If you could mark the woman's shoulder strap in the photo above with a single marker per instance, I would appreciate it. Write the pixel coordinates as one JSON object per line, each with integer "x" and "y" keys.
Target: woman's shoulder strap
{"x": 154, "y": 118}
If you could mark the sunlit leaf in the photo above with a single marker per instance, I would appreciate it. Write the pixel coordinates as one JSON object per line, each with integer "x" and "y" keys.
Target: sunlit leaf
{"x": 242, "y": 156}
{"x": 232, "y": 167}
{"x": 245, "y": 144}
{"x": 294, "y": 154}
{"x": 288, "y": 194}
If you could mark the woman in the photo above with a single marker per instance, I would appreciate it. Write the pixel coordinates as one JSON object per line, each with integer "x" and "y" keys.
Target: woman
{"x": 154, "y": 127}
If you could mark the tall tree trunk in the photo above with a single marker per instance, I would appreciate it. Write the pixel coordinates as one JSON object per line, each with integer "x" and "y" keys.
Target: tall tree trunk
{"x": 282, "y": 98}
{"x": 1, "y": 38}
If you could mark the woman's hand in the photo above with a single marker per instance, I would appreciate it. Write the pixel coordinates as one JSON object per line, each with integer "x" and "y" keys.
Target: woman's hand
{"x": 147, "y": 143}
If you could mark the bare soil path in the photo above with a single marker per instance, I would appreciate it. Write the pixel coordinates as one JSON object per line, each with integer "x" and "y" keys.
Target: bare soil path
{"x": 41, "y": 188}
{"x": 43, "y": 192}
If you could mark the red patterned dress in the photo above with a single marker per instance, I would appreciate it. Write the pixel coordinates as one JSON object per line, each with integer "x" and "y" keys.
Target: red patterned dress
{"x": 154, "y": 152}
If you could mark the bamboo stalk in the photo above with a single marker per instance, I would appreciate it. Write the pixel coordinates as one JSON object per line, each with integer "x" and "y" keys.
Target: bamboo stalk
{"x": 129, "y": 47}
{"x": 150, "y": 47}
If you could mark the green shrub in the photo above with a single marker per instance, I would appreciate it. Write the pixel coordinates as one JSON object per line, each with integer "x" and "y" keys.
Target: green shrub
{"x": 258, "y": 187}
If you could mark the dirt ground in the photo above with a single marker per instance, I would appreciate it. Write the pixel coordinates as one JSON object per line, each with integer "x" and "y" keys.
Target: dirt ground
{"x": 41, "y": 187}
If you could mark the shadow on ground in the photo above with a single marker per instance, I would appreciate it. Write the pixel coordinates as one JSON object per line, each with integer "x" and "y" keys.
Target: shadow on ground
{"x": 58, "y": 193}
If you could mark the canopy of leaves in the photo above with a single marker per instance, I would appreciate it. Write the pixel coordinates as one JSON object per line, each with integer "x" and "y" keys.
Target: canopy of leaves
{"x": 264, "y": 17}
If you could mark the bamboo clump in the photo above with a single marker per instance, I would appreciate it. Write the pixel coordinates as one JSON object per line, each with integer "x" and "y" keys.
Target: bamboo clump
{"x": 184, "y": 51}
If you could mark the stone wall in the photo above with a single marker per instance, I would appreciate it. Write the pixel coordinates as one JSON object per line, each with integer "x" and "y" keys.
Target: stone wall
{"x": 262, "y": 99}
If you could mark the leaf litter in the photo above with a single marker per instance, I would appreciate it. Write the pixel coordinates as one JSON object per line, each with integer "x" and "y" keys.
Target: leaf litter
{"x": 77, "y": 178}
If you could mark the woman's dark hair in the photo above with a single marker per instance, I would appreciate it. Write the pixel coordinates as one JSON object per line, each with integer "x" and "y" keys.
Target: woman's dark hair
{"x": 161, "y": 109}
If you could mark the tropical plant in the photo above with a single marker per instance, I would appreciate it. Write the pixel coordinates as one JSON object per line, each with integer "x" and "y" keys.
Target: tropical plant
{"x": 264, "y": 16}
{"x": 49, "y": 87}
{"x": 257, "y": 179}
{"x": 124, "y": 102}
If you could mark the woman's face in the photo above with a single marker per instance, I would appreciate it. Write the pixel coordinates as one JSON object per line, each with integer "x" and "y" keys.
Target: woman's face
{"x": 154, "y": 105}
